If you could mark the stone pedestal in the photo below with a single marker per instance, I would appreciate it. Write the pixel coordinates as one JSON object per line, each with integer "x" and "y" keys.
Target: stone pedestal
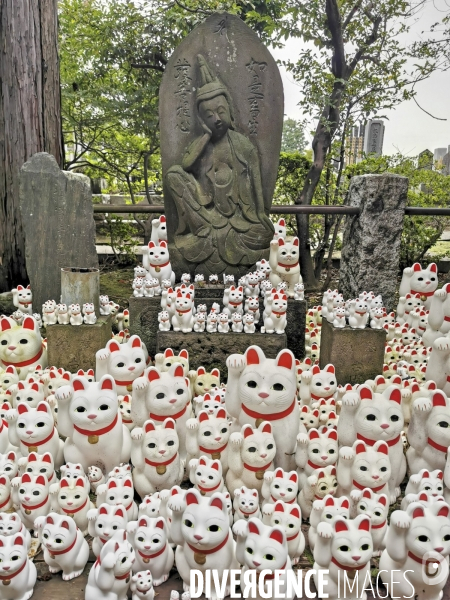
{"x": 357, "y": 354}
{"x": 144, "y": 318}
{"x": 211, "y": 350}
{"x": 371, "y": 243}
{"x": 73, "y": 347}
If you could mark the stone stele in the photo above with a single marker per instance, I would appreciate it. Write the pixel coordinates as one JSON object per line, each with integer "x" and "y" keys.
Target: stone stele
{"x": 58, "y": 222}
{"x": 221, "y": 117}
{"x": 371, "y": 242}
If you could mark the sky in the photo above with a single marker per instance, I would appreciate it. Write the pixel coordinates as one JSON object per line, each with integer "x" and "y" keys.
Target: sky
{"x": 408, "y": 130}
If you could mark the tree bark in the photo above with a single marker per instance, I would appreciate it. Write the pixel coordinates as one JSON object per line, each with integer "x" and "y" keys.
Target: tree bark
{"x": 30, "y": 114}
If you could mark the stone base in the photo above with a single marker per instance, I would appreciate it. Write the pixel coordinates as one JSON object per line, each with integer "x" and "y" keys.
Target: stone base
{"x": 211, "y": 350}
{"x": 357, "y": 354}
{"x": 144, "y": 318}
{"x": 73, "y": 347}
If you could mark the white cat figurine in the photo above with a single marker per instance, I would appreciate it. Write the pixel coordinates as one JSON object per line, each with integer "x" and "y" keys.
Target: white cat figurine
{"x": 14, "y": 352}
{"x": 279, "y": 485}
{"x": 119, "y": 491}
{"x": 71, "y": 498}
{"x": 233, "y": 300}
{"x": 75, "y": 316}
{"x": 124, "y": 362}
{"x": 249, "y": 323}
{"x": 23, "y": 299}
{"x": 209, "y": 435}
{"x": 376, "y": 507}
{"x": 275, "y": 319}
{"x": 315, "y": 450}
{"x": 11, "y": 524}
{"x": 206, "y": 475}
{"x": 417, "y": 280}
{"x": 159, "y": 230}
{"x": 237, "y": 325}
{"x": 246, "y": 503}
{"x": 183, "y": 318}
{"x": 157, "y": 262}
{"x": 31, "y": 496}
{"x": 364, "y": 466}
{"x": 149, "y": 539}
{"x": 325, "y": 510}
{"x": 318, "y": 485}
{"x": 142, "y": 586}
{"x": 284, "y": 262}
{"x": 288, "y": 516}
{"x": 17, "y": 572}
{"x": 103, "y": 522}
{"x": 89, "y": 316}
{"x": 317, "y": 383}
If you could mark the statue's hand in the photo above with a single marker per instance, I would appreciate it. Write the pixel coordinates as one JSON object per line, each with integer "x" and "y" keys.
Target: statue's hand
{"x": 206, "y": 129}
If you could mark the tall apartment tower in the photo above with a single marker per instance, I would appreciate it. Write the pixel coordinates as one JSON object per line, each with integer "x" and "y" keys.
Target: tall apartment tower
{"x": 364, "y": 139}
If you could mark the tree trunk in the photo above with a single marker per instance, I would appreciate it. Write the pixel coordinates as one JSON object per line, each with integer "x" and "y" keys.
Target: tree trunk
{"x": 30, "y": 114}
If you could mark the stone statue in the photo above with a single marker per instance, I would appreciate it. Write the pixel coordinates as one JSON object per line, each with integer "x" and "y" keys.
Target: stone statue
{"x": 217, "y": 189}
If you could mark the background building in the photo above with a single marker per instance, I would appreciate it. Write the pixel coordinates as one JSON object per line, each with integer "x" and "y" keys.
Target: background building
{"x": 365, "y": 138}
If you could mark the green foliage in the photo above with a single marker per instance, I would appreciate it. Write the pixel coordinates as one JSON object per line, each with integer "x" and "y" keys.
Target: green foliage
{"x": 293, "y": 139}
{"x": 292, "y": 171}
{"x": 122, "y": 236}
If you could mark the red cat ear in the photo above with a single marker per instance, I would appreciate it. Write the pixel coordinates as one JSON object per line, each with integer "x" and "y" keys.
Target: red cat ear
{"x": 32, "y": 457}
{"x": 361, "y": 447}
{"x": 285, "y": 359}
{"x": 102, "y": 511}
{"x": 443, "y": 512}
{"x": 66, "y": 376}
{"x": 340, "y": 525}
{"x": 277, "y": 535}
{"x": 78, "y": 385}
{"x": 416, "y": 267}
{"x": 12, "y": 455}
{"x": 20, "y": 386}
{"x": 202, "y": 461}
{"x": 267, "y": 428}
{"x": 29, "y": 323}
{"x": 247, "y": 430}
{"x": 217, "y": 502}
{"x": 332, "y": 434}
{"x": 383, "y": 499}
{"x": 111, "y": 484}
{"x": 41, "y": 480}
{"x": 65, "y": 525}
{"x": 215, "y": 465}
{"x": 279, "y": 472}
{"x": 365, "y": 524}
{"x": 433, "y": 267}
{"x": 313, "y": 434}
{"x": 330, "y": 369}
{"x": 153, "y": 374}
{"x": 79, "y": 483}
{"x": 345, "y": 503}
{"x": 4, "y": 324}
{"x": 191, "y": 498}
{"x": 136, "y": 341}
{"x": 107, "y": 383}
{"x": 149, "y": 426}
{"x": 18, "y": 541}
{"x": 215, "y": 373}
{"x": 295, "y": 241}
{"x": 35, "y": 387}
{"x": 425, "y": 475}
{"x": 221, "y": 414}
{"x": 280, "y": 242}
{"x": 279, "y": 507}
{"x": 116, "y": 546}
{"x": 294, "y": 477}
{"x": 418, "y": 512}
{"x": 160, "y": 524}
{"x": 440, "y": 475}
{"x": 119, "y": 512}
{"x": 179, "y": 371}
{"x": 253, "y": 528}
{"x": 383, "y": 448}
{"x": 26, "y": 478}
{"x": 439, "y": 399}
{"x": 64, "y": 483}
{"x": 142, "y": 523}
{"x": 395, "y": 395}
{"x": 254, "y": 355}
{"x": 203, "y": 416}
{"x": 163, "y": 243}
{"x": 295, "y": 512}
{"x": 113, "y": 346}
{"x": 169, "y": 424}
{"x": 315, "y": 413}
{"x": 201, "y": 371}
{"x": 49, "y": 520}
{"x": 168, "y": 353}
{"x": 305, "y": 409}
{"x": 43, "y": 407}
{"x": 365, "y": 393}
{"x": 3, "y": 480}
{"x": 315, "y": 370}
{"x": 329, "y": 501}
{"x": 184, "y": 354}
{"x": 22, "y": 408}
{"x": 367, "y": 493}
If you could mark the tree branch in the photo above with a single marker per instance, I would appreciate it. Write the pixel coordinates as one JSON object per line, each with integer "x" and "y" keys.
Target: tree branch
{"x": 351, "y": 14}
{"x": 426, "y": 112}
{"x": 195, "y": 11}
{"x": 338, "y": 64}
{"x": 147, "y": 66}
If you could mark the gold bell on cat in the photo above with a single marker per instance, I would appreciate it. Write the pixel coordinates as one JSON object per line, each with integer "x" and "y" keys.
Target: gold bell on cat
{"x": 199, "y": 558}
{"x": 93, "y": 439}
{"x": 161, "y": 469}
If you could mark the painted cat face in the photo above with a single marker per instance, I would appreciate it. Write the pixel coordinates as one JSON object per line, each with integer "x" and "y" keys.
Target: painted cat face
{"x": 424, "y": 280}
{"x": 426, "y": 481}
{"x": 95, "y": 474}
{"x": 127, "y": 360}
{"x": 160, "y": 228}
{"x": 287, "y": 252}
{"x": 247, "y": 500}
{"x": 375, "y": 506}
{"x": 371, "y": 466}
{"x": 72, "y": 494}
{"x": 150, "y": 505}
{"x": 268, "y": 384}
{"x": 309, "y": 417}
{"x": 143, "y": 581}
{"x": 331, "y": 507}
{"x": 205, "y": 382}
{"x": 158, "y": 253}
{"x": 323, "y": 383}
{"x": 120, "y": 491}
{"x": 24, "y": 294}
{"x": 123, "y": 553}
{"x": 160, "y": 443}
{"x": 280, "y": 229}
{"x": 205, "y": 522}
{"x": 9, "y": 464}
{"x": 151, "y": 535}
{"x": 74, "y": 309}
{"x": 287, "y": 516}
{"x": 93, "y": 405}
{"x": 186, "y": 290}
{"x": 279, "y": 303}
{"x": 125, "y": 408}
{"x": 169, "y": 358}
{"x": 89, "y": 374}
{"x": 429, "y": 529}
{"x": 110, "y": 519}
{"x": 56, "y": 378}
{"x": 31, "y": 392}
{"x": 323, "y": 447}
{"x": 213, "y": 429}
{"x": 19, "y": 343}
{"x": 39, "y": 464}
{"x": 379, "y": 416}
{"x": 33, "y": 490}
{"x": 249, "y": 319}
{"x": 58, "y": 532}
{"x": 9, "y": 377}
{"x": 265, "y": 546}
{"x": 10, "y": 523}
{"x": 284, "y": 486}
{"x": 326, "y": 481}
{"x": 168, "y": 390}
{"x": 88, "y": 308}
{"x": 13, "y": 554}
{"x": 163, "y": 316}
{"x": 210, "y": 404}
{"x": 34, "y": 424}
{"x": 201, "y": 308}
{"x": 351, "y": 545}
{"x": 236, "y": 317}
{"x": 121, "y": 471}
{"x": 207, "y": 474}
{"x": 259, "y": 448}
{"x": 236, "y": 294}
{"x": 183, "y": 303}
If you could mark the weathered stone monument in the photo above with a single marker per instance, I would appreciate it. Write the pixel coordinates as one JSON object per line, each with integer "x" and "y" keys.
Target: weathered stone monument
{"x": 58, "y": 221}
{"x": 221, "y": 118}
{"x": 371, "y": 242}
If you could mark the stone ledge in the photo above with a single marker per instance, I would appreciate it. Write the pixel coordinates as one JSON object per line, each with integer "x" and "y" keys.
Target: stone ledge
{"x": 73, "y": 347}
{"x": 357, "y": 354}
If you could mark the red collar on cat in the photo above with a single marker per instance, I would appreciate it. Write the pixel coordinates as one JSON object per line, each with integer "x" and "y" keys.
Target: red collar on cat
{"x": 203, "y": 489}
{"x": 88, "y": 432}
{"x": 235, "y": 303}
{"x": 314, "y": 397}
{"x": 58, "y": 552}
{"x": 360, "y": 313}
{"x": 160, "y": 464}
{"x": 123, "y": 383}
{"x": 421, "y": 561}
{"x": 288, "y": 266}
{"x": 25, "y": 363}
{"x": 182, "y": 312}
{"x": 25, "y": 507}
{"x": 149, "y": 556}
{"x": 160, "y": 266}
{"x": 244, "y": 512}
{"x": 216, "y": 549}
{"x": 47, "y": 439}
{"x": 378, "y": 526}
{"x": 98, "y": 562}
{"x": 11, "y": 575}
{"x": 313, "y": 466}
{"x": 278, "y": 313}
{"x": 390, "y": 443}
{"x": 164, "y": 417}
{"x": 363, "y": 487}
{"x": 437, "y": 446}
{"x": 289, "y": 539}
{"x": 256, "y": 469}
{"x": 25, "y": 303}
{"x": 271, "y": 416}
{"x": 338, "y": 564}
{"x": 218, "y": 450}
{"x": 75, "y": 510}
{"x": 427, "y": 294}
{"x": 286, "y": 501}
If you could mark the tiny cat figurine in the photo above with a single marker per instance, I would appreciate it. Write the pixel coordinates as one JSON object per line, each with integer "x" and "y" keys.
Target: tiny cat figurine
{"x": 206, "y": 475}
{"x": 251, "y": 453}
{"x": 315, "y": 450}
{"x": 209, "y": 435}
{"x": 110, "y": 576}
{"x": 249, "y": 323}
{"x": 317, "y": 486}
{"x": 275, "y": 315}
{"x": 71, "y": 498}
{"x": 288, "y": 516}
{"x": 339, "y": 319}
{"x": 376, "y": 507}
{"x": 89, "y": 316}
{"x": 123, "y": 320}
{"x": 30, "y": 392}
{"x": 9, "y": 465}
{"x": 103, "y": 522}
{"x": 138, "y": 287}
{"x": 23, "y": 298}
{"x": 369, "y": 416}
{"x": 38, "y": 464}
{"x": 429, "y": 433}
{"x": 252, "y": 285}
{"x": 309, "y": 419}
{"x": 223, "y": 325}
{"x": 14, "y": 352}
{"x": 75, "y": 316}
{"x": 263, "y": 548}
{"x": 425, "y": 481}
{"x": 317, "y": 383}
{"x": 199, "y": 322}
{"x": 299, "y": 291}
{"x": 417, "y": 280}
{"x": 212, "y": 321}
{"x": 280, "y": 232}
{"x": 326, "y": 510}
{"x": 164, "y": 361}
{"x": 141, "y": 586}
{"x": 164, "y": 321}
{"x": 203, "y": 382}
{"x": 33, "y": 430}
{"x": 11, "y": 524}
{"x": 90, "y": 419}
{"x": 263, "y": 389}
{"x": 160, "y": 396}
{"x": 364, "y": 466}
{"x": 125, "y": 411}
{"x": 252, "y": 307}
{"x": 65, "y": 548}
{"x": 155, "y": 456}
{"x": 279, "y": 485}
{"x": 63, "y": 314}
{"x": 96, "y": 478}
{"x": 157, "y": 262}
{"x": 31, "y": 496}
{"x": 183, "y": 318}
{"x": 200, "y": 528}
{"x": 119, "y": 492}
{"x": 246, "y": 504}
{"x": 74, "y": 472}
{"x": 17, "y": 572}
{"x": 149, "y": 539}
{"x": 358, "y": 314}
{"x": 150, "y": 505}
{"x": 233, "y": 300}
{"x": 416, "y": 537}
{"x": 124, "y": 362}
{"x": 9, "y": 377}
{"x": 237, "y": 325}
{"x": 49, "y": 313}
{"x": 105, "y": 308}
{"x": 343, "y": 545}
{"x": 159, "y": 230}
{"x": 284, "y": 262}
